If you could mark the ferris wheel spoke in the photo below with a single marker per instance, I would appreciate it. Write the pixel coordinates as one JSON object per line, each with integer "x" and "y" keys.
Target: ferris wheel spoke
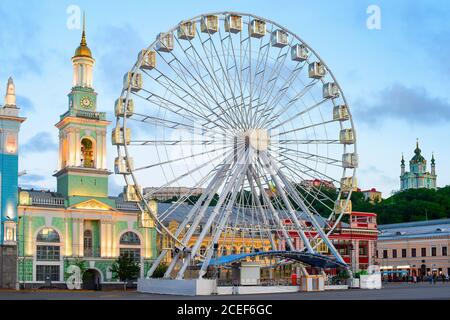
{"x": 172, "y": 88}
{"x": 203, "y": 86}
{"x": 177, "y": 142}
{"x": 262, "y": 74}
{"x": 310, "y": 190}
{"x": 304, "y": 127}
{"x": 281, "y": 93}
{"x": 272, "y": 81}
{"x": 227, "y": 74}
{"x": 291, "y": 102}
{"x": 184, "y": 175}
{"x": 179, "y": 159}
{"x": 175, "y": 125}
{"x": 212, "y": 71}
{"x": 168, "y": 104}
{"x": 311, "y": 156}
{"x": 302, "y": 112}
{"x": 190, "y": 91}
{"x": 308, "y": 141}
{"x": 309, "y": 169}
{"x": 214, "y": 177}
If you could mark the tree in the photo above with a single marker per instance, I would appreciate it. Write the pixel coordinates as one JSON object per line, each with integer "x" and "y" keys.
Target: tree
{"x": 125, "y": 269}
{"x": 159, "y": 271}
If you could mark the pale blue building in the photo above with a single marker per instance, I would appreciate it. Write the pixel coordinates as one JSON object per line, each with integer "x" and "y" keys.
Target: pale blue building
{"x": 418, "y": 176}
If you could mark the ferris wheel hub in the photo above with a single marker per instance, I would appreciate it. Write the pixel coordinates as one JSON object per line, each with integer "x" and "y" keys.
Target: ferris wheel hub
{"x": 258, "y": 139}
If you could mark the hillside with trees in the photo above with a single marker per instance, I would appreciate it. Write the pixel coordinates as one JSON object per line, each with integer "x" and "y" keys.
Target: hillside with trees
{"x": 408, "y": 205}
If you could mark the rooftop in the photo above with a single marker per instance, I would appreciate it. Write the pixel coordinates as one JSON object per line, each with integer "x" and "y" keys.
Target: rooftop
{"x": 417, "y": 229}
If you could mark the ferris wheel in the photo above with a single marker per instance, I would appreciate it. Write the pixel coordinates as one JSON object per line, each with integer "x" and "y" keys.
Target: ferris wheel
{"x": 249, "y": 123}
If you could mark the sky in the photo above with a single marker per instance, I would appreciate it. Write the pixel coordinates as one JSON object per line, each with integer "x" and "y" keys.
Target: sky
{"x": 396, "y": 78}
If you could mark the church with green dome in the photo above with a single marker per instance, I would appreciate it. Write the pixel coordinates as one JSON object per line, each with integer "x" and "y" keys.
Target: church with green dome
{"x": 418, "y": 177}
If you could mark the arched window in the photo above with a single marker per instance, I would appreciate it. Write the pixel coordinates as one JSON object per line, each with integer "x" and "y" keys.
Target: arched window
{"x": 234, "y": 250}
{"x": 202, "y": 250}
{"x": 87, "y": 153}
{"x": 130, "y": 245}
{"x": 47, "y": 235}
{"x": 87, "y": 243}
{"x": 47, "y": 250}
{"x": 130, "y": 238}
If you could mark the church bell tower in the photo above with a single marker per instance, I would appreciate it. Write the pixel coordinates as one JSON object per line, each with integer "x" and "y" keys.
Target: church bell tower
{"x": 82, "y": 170}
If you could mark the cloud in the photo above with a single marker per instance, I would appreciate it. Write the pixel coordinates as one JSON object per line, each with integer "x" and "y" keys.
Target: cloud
{"x": 41, "y": 142}
{"x": 31, "y": 178}
{"x": 414, "y": 105}
{"x": 24, "y": 34}
{"x": 117, "y": 48}
{"x": 25, "y": 104}
{"x": 114, "y": 187}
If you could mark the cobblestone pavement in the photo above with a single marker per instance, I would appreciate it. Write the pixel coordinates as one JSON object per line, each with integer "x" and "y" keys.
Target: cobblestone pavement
{"x": 391, "y": 291}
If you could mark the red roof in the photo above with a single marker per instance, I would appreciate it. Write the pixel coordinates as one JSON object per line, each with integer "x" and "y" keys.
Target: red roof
{"x": 364, "y": 214}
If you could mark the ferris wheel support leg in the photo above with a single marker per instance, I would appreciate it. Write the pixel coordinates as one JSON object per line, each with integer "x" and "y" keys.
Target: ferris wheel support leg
{"x": 273, "y": 211}
{"x": 219, "y": 229}
{"x": 260, "y": 209}
{"x": 213, "y": 186}
{"x": 313, "y": 220}
{"x": 280, "y": 190}
{"x": 238, "y": 170}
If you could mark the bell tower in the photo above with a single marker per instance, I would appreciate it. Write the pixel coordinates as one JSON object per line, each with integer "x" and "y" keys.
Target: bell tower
{"x": 82, "y": 167}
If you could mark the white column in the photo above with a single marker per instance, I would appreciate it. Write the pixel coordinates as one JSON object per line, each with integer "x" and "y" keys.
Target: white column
{"x": 81, "y": 237}
{"x": 77, "y": 148}
{"x": 75, "y": 237}
{"x": 104, "y": 149}
{"x": 109, "y": 238}
{"x": 103, "y": 241}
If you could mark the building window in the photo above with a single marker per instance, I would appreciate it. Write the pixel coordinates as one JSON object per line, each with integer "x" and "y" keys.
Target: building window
{"x": 385, "y": 254}
{"x": 202, "y": 251}
{"x": 130, "y": 238}
{"x": 403, "y": 253}
{"x": 433, "y": 251}
{"x": 87, "y": 241}
{"x": 376, "y": 254}
{"x": 424, "y": 252}
{"x": 363, "y": 248}
{"x": 444, "y": 251}
{"x": 394, "y": 253}
{"x": 48, "y": 235}
{"x": 130, "y": 246}
{"x": 44, "y": 273}
{"x": 47, "y": 253}
{"x": 413, "y": 252}
{"x": 87, "y": 153}
{"x": 47, "y": 245}
{"x": 133, "y": 253}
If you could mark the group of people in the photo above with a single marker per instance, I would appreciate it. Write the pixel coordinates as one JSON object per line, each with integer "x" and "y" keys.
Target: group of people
{"x": 433, "y": 278}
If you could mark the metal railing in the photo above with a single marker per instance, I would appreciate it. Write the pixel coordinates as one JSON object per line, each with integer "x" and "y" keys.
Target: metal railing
{"x": 47, "y": 201}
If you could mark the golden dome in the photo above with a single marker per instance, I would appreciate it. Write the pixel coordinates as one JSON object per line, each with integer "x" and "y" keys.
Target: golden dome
{"x": 83, "y": 50}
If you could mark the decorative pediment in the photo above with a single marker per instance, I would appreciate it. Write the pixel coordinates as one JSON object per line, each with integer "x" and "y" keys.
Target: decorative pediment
{"x": 92, "y": 204}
